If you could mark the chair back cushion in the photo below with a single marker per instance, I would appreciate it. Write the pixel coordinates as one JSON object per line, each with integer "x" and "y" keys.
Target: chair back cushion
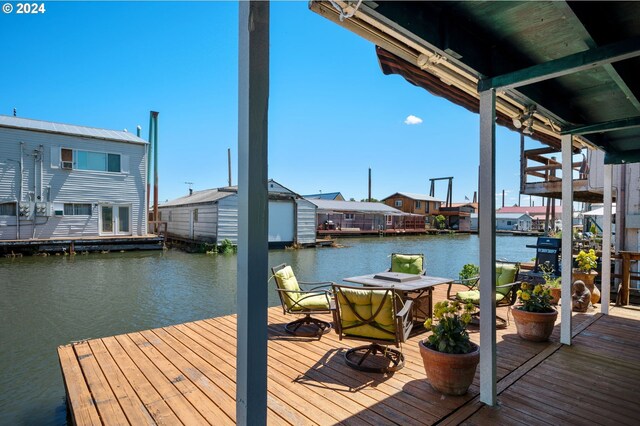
{"x": 505, "y": 274}
{"x": 407, "y": 263}
{"x": 365, "y": 303}
{"x": 286, "y": 280}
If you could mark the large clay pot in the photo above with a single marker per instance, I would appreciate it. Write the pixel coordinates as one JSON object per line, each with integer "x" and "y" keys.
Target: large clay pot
{"x": 555, "y": 295}
{"x": 534, "y": 326}
{"x": 450, "y": 374}
{"x": 589, "y": 280}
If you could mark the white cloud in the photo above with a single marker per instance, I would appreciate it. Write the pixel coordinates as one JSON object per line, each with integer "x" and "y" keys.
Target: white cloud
{"x": 412, "y": 119}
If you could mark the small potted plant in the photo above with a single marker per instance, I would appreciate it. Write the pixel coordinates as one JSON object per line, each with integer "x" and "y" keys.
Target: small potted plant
{"x": 552, "y": 282}
{"x": 450, "y": 358}
{"x": 534, "y": 317}
{"x": 587, "y": 261}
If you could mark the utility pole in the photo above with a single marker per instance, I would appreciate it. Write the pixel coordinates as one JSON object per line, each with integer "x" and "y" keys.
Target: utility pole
{"x": 369, "y": 199}
{"x": 229, "y": 164}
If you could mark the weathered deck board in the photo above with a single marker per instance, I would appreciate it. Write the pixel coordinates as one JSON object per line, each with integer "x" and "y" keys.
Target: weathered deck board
{"x": 185, "y": 374}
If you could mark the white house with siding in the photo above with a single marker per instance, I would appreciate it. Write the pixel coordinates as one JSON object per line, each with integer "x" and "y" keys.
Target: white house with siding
{"x": 66, "y": 181}
{"x": 211, "y": 216}
{"x": 507, "y": 222}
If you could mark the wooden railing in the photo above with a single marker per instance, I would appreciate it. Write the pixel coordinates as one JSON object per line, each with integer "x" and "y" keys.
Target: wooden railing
{"x": 545, "y": 168}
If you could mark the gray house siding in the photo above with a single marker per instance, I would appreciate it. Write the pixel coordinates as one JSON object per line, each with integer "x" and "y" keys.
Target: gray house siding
{"x": 306, "y": 222}
{"x": 228, "y": 219}
{"x": 194, "y": 222}
{"x": 45, "y": 181}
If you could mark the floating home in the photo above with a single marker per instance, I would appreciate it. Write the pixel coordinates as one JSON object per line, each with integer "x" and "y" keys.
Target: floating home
{"x": 211, "y": 216}
{"x": 507, "y": 222}
{"x": 325, "y": 196}
{"x": 352, "y": 217}
{"x": 65, "y": 182}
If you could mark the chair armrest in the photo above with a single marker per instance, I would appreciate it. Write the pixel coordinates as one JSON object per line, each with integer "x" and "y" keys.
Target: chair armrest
{"x": 406, "y": 308}
{"x": 509, "y": 285}
{"x": 316, "y": 284}
{"x": 404, "y": 321}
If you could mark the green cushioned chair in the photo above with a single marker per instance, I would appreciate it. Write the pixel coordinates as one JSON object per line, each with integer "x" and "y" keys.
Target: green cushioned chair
{"x": 506, "y": 286}
{"x": 408, "y": 263}
{"x": 379, "y": 316}
{"x": 295, "y": 300}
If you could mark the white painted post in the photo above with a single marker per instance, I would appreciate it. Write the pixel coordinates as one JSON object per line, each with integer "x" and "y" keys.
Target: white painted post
{"x": 487, "y": 232}
{"x": 567, "y": 242}
{"x": 606, "y": 241}
{"x": 253, "y": 102}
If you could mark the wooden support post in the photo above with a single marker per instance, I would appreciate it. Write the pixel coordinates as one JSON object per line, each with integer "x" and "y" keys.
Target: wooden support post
{"x": 487, "y": 233}
{"x": 606, "y": 242}
{"x": 567, "y": 223}
{"x": 252, "y": 294}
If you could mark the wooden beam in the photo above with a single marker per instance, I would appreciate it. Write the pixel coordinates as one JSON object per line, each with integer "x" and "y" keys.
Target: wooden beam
{"x": 606, "y": 240}
{"x": 487, "y": 234}
{"x": 567, "y": 223}
{"x": 571, "y": 64}
{"x": 252, "y": 294}
{"x": 607, "y": 126}
{"x": 540, "y": 151}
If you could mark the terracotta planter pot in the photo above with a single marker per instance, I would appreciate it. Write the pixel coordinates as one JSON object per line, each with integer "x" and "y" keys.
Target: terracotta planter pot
{"x": 555, "y": 295}
{"x": 450, "y": 374}
{"x": 534, "y": 326}
{"x": 589, "y": 280}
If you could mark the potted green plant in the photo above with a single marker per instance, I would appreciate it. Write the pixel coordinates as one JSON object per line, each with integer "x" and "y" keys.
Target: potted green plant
{"x": 552, "y": 282}
{"x": 450, "y": 358}
{"x": 534, "y": 316}
{"x": 587, "y": 261}
{"x": 468, "y": 271}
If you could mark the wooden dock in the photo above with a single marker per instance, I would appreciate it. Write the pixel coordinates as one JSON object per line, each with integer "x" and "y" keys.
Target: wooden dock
{"x": 185, "y": 374}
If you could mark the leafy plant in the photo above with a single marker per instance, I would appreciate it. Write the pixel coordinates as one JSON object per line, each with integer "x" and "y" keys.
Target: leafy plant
{"x": 227, "y": 247}
{"x": 440, "y": 221}
{"x": 587, "y": 260}
{"x": 547, "y": 275}
{"x": 450, "y": 334}
{"x": 534, "y": 298}
{"x": 469, "y": 271}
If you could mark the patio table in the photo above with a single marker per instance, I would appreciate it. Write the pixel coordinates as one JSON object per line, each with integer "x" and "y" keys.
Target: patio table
{"x": 419, "y": 288}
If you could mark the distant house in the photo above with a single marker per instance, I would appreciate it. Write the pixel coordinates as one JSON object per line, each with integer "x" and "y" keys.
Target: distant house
{"x": 363, "y": 216}
{"x": 325, "y": 196}
{"x": 507, "y": 222}
{"x": 537, "y": 213}
{"x": 413, "y": 203}
{"x": 211, "y": 216}
{"x": 458, "y": 216}
{"x": 66, "y": 181}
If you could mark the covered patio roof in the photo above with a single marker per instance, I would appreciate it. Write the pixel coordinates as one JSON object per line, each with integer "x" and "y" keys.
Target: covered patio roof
{"x": 571, "y": 66}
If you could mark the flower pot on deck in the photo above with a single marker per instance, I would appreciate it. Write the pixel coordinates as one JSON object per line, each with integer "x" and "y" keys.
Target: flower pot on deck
{"x": 534, "y": 326}
{"x": 450, "y": 374}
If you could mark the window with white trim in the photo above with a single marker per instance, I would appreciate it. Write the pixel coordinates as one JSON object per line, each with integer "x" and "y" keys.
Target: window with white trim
{"x": 418, "y": 204}
{"x": 90, "y": 160}
{"x": 7, "y": 209}
{"x": 398, "y": 203}
{"x": 349, "y": 216}
{"x": 77, "y": 209}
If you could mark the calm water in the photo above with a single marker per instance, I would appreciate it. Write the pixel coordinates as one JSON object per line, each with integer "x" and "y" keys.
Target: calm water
{"x": 50, "y": 301}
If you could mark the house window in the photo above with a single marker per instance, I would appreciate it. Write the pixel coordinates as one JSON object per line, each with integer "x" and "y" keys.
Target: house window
{"x": 349, "y": 216}
{"x": 7, "y": 209}
{"x": 90, "y": 160}
{"x": 73, "y": 209}
{"x": 398, "y": 203}
{"x": 509, "y": 223}
{"x": 418, "y": 204}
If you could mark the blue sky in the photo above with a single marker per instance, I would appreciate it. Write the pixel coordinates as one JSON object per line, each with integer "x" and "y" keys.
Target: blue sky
{"x": 333, "y": 114}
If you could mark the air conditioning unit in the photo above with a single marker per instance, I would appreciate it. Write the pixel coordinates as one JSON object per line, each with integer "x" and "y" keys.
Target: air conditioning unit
{"x": 67, "y": 165}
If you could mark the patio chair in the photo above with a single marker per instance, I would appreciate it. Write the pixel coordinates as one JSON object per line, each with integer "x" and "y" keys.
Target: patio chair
{"x": 506, "y": 287}
{"x": 407, "y": 263}
{"x": 379, "y": 316}
{"x": 295, "y": 300}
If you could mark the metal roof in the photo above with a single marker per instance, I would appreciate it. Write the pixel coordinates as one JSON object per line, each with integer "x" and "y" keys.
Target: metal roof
{"x": 575, "y": 62}
{"x": 68, "y": 129}
{"x": 323, "y": 196}
{"x": 199, "y": 197}
{"x": 413, "y": 196}
{"x": 356, "y": 206}
{"x": 506, "y": 216}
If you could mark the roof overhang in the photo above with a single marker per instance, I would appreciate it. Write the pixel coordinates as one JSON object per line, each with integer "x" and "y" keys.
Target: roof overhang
{"x": 561, "y": 67}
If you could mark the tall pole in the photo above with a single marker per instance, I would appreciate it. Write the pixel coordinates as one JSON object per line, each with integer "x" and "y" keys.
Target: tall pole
{"x": 253, "y": 213}
{"x": 567, "y": 215}
{"x": 229, "y": 164}
{"x": 149, "y": 162}
{"x": 369, "y": 199}
{"x": 155, "y": 165}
